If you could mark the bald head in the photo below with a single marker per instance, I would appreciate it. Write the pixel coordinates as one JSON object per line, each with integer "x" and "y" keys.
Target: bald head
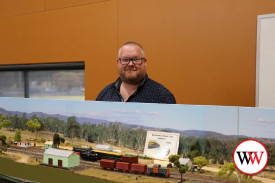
{"x": 132, "y": 43}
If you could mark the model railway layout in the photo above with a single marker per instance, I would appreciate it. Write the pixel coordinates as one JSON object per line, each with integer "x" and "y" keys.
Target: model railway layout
{"x": 38, "y": 154}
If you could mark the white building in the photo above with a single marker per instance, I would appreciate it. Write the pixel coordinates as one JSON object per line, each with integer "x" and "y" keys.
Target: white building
{"x": 24, "y": 144}
{"x": 186, "y": 161}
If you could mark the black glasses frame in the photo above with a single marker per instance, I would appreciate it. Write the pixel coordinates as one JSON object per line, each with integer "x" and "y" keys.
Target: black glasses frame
{"x": 126, "y": 61}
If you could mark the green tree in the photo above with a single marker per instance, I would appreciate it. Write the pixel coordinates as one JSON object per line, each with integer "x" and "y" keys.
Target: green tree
{"x": 93, "y": 133}
{"x": 186, "y": 145}
{"x": 43, "y": 140}
{"x": 271, "y": 154}
{"x": 194, "y": 152}
{"x": 15, "y": 122}
{"x": 17, "y": 136}
{"x": 218, "y": 151}
{"x": 115, "y": 131}
{"x": 56, "y": 140}
{"x": 228, "y": 170}
{"x": 141, "y": 138}
{"x": 73, "y": 127}
{"x": 182, "y": 169}
{"x": 62, "y": 140}
{"x": 22, "y": 121}
{"x": 173, "y": 158}
{"x": 34, "y": 125}
{"x": 200, "y": 161}
{"x": 85, "y": 129}
{"x": 4, "y": 123}
{"x": 181, "y": 145}
{"x": 3, "y": 140}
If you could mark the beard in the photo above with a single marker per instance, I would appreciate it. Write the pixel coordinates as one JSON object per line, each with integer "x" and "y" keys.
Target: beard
{"x": 132, "y": 79}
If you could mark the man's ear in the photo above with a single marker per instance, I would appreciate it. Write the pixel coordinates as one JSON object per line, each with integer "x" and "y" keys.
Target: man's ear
{"x": 145, "y": 61}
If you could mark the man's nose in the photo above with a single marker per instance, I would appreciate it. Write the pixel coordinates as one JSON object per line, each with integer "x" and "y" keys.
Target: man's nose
{"x": 131, "y": 63}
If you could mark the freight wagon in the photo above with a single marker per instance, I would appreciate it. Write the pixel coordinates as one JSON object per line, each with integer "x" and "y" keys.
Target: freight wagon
{"x": 156, "y": 170}
{"x": 107, "y": 164}
{"x": 130, "y": 159}
{"x": 138, "y": 168}
{"x": 123, "y": 166}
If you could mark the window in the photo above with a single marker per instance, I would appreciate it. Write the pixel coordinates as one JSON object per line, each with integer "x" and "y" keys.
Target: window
{"x": 12, "y": 84}
{"x": 52, "y": 81}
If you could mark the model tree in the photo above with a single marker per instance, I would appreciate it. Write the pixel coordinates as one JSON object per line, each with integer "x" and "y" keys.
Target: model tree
{"x": 62, "y": 140}
{"x": 182, "y": 168}
{"x": 17, "y": 136}
{"x": 73, "y": 127}
{"x": 56, "y": 140}
{"x": 4, "y": 122}
{"x": 200, "y": 161}
{"x": 229, "y": 168}
{"x": 35, "y": 125}
{"x": 3, "y": 140}
{"x": 194, "y": 152}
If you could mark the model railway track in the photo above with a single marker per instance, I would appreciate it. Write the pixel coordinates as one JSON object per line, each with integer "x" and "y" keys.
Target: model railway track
{"x": 36, "y": 153}
{"x": 33, "y": 153}
{"x": 39, "y": 153}
{"x": 84, "y": 164}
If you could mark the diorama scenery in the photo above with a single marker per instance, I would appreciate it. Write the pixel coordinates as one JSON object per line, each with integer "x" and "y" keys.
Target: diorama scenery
{"x": 129, "y": 142}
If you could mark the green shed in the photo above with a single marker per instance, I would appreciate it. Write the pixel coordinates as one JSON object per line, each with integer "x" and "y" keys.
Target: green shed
{"x": 61, "y": 158}
{"x": 48, "y": 144}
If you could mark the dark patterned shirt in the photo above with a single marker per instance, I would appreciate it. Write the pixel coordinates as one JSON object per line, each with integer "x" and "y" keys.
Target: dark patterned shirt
{"x": 148, "y": 92}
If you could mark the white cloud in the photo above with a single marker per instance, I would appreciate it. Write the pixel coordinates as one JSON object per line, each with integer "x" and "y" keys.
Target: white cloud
{"x": 264, "y": 122}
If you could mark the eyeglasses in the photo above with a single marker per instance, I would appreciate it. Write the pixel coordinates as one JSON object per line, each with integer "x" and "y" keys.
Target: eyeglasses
{"x": 126, "y": 61}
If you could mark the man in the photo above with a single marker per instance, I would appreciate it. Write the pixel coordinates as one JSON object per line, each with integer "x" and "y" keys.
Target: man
{"x": 133, "y": 85}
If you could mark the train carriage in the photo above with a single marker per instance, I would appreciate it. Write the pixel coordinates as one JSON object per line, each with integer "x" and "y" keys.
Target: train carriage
{"x": 139, "y": 168}
{"x": 130, "y": 159}
{"x": 107, "y": 164}
{"x": 123, "y": 166}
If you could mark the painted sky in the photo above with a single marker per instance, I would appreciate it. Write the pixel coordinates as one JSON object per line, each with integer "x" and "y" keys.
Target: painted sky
{"x": 259, "y": 122}
{"x": 175, "y": 116}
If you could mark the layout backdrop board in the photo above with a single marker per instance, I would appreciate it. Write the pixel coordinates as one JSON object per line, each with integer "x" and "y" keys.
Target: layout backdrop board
{"x": 157, "y": 130}
{"x": 265, "y": 85}
{"x": 160, "y": 145}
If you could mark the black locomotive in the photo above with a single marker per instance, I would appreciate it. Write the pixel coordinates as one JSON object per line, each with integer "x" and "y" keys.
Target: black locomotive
{"x": 94, "y": 155}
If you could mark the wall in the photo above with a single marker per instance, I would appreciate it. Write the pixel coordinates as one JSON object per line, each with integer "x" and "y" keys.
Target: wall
{"x": 204, "y": 51}
{"x": 65, "y": 160}
{"x": 265, "y": 76}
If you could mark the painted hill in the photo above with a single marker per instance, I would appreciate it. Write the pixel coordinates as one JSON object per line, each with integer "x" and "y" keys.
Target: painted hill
{"x": 81, "y": 120}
